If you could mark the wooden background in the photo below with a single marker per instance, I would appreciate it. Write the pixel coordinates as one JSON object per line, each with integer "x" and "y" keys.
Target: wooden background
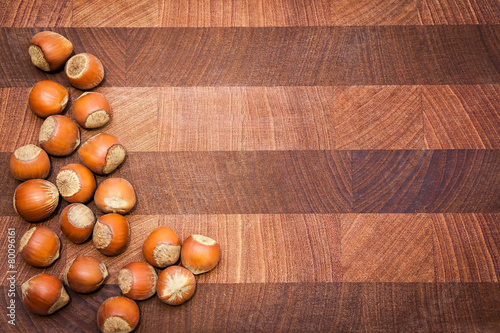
{"x": 345, "y": 154}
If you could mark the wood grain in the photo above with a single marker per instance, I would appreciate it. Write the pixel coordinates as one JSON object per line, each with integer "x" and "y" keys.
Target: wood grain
{"x": 321, "y": 56}
{"x": 313, "y": 56}
{"x": 301, "y": 307}
{"x": 18, "y": 125}
{"x": 426, "y": 181}
{"x": 387, "y": 248}
{"x": 467, "y": 247}
{"x": 35, "y": 13}
{"x": 461, "y": 117}
{"x": 128, "y": 13}
{"x": 285, "y": 13}
{"x": 459, "y": 12}
{"x": 305, "y": 182}
{"x": 386, "y": 117}
{"x": 246, "y": 118}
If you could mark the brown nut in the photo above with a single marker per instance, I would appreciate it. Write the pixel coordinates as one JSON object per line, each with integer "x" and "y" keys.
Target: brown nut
{"x": 76, "y": 183}
{"x": 137, "y": 280}
{"x": 40, "y": 246}
{"x": 111, "y": 234}
{"x": 162, "y": 248}
{"x": 84, "y": 274}
{"x": 44, "y": 294}
{"x": 47, "y": 98}
{"x": 59, "y": 135}
{"x": 77, "y": 222}
{"x": 200, "y": 254}
{"x": 115, "y": 195}
{"x": 29, "y": 162}
{"x": 84, "y": 71}
{"x": 118, "y": 314}
{"x": 49, "y": 50}
{"x": 36, "y": 199}
{"x": 92, "y": 110}
{"x": 175, "y": 285}
{"x": 102, "y": 153}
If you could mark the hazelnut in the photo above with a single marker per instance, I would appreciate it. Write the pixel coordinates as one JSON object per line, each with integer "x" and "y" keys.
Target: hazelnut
{"x": 137, "y": 280}
{"x": 111, "y": 234}
{"x": 77, "y": 222}
{"x": 162, "y": 248}
{"x": 44, "y": 294}
{"x": 115, "y": 195}
{"x": 47, "y": 98}
{"x": 36, "y": 199}
{"x": 29, "y": 162}
{"x": 59, "y": 135}
{"x": 118, "y": 314}
{"x": 84, "y": 71}
{"x": 102, "y": 153}
{"x": 85, "y": 274}
{"x": 92, "y": 110}
{"x": 40, "y": 246}
{"x": 76, "y": 183}
{"x": 49, "y": 50}
{"x": 200, "y": 254}
{"x": 175, "y": 285}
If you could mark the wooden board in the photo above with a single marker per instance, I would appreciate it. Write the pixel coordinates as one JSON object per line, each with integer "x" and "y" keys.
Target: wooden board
{"x": 345, "y": 154}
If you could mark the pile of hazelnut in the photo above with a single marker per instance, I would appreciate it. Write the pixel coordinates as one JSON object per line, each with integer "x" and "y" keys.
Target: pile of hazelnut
{"x": 36, "y": 199}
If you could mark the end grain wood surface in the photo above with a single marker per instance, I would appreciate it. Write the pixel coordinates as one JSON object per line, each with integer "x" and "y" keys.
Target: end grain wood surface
{"x": 345, "y": 154}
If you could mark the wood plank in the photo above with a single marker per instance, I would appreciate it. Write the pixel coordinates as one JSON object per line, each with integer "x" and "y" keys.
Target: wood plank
{"x": 246, "y": 118}
{"x": 426, "y": 181}
{"x": 267, "y": 13}
{"x": 270, "y": 182}
{"x": 240, "y": 182}
{"x": 387, "y": 117}
{"x": 313, "y": 56}
{"x": 322, "y": 56}
{"x": 448, "y": 307}
{"x": 16, "y": 69}
{"x": 35, "y": 13}
{"x": 461, "y": 117}
{"x": 128, "y": 13}
{"x": 459, "y": 12}
{"x": 467, "y": 247}
{"x": 387, "y": 248}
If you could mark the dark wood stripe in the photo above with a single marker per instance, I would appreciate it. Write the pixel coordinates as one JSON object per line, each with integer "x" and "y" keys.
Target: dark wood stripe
{"x": 426, "y": 181}
{"x": 301, "y": 307}
{"x": 313, "y": 56}
{"x": 303, "y": 181}
{"x": 273, "y": 56}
